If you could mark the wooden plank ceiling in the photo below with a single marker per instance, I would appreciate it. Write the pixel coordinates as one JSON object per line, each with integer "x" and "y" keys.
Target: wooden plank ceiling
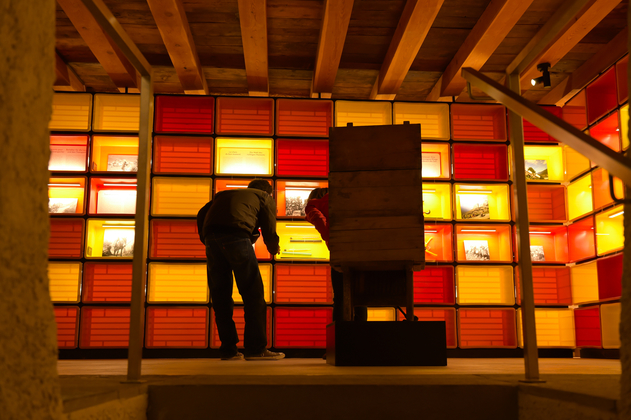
{"x": 409, "y": 50}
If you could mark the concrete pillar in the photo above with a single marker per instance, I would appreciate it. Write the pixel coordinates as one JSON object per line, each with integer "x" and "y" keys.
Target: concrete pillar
{"x": 29, "y": 387}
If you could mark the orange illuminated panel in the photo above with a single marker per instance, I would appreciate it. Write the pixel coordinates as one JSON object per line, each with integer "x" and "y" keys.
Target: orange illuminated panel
{"x": 245, "y": 116}
{"x": 114, "y": 154}
{"x": 104, "y": 327}
{"x": 71, "y": 112}
{"x": 68, "y": 154}
{"x": 581, "y": 240}
{"x": 362, "y": 113}
{"x": 534, "y": 134}
{"x": 610, "y": 325}
{"x": 260, "y": 249}
{"x": 66, "y": 238}
{"x": 291, "y": 196}
{"x": 179, "y": 196}
{"x": 480, "y": 162}
{"x": 116, "y": 112}
{"x": 478, "y": 122}
{"x": 66, "y": 196}
{"x": 485, "y": 285}
{"x": 184, "y": 114}
{"x": 110, "y": 238}
{"x": 622, "y": 83}
{"x": 608, "y": 132}
{"x": 610, "y": 231}
{"x": 183, "y": 155}
{"x": 601, "y": 95}
{"x": 435, "y": 284}
{"x": 548, "y": 244}
{"x": 112, "y": 196}
{"x": 64, "y": 280}
{"x": 303, "y": 283}
{"x": 546, "y": 203}
{"x": 238, "y": 318}
{"x": 266, "y": 277}
{"x": 169, "y": 327}
{"x": 587, "y": 326}
{"x": 441, "y": 314}
{"x": 177, "y": 283}
{"x": 483, "y": 243}
{"x": 610, "y": 277}
{"x": 305, "y": 118}
{"x": 555, "y": 328}
{"x": 436, "y": 162}
{"x": 175, "y": 239}
{"x": 487, "y": 328}
{"x": 579, "y": 195}
{"x": 106, "y": 282}
{"x": 232, "y": 184}
{"x": 482, "y": 202}
{"x": 301, "y": 327}
{"x": 67, "y": 318}
{"x": 575, "y": 111}
{"x": 300, "y": 241}
{"x": 601, "y": 188}
{"x": 584, "y": 282}
{"x": 434, "y": 118}
{"x": 438, "y": 243}
{"x": 244, "y": 157}
{"x": 308, "y": 158}
{"x": 552, "y": 285}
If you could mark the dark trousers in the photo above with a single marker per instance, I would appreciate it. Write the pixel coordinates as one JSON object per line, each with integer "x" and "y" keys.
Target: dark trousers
{"x": 337, "y": 280}
{"x": 226, "y": 254}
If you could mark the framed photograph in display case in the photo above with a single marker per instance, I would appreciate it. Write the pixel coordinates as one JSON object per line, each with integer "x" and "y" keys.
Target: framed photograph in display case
{"x": 537, "y": 253}
{"x": 477, "y": 250}
{"x": 536, "y": 169}
{"x": 474, "y": 206}
{"x": 122, "y": 163}
{"x": 62, "y": 205}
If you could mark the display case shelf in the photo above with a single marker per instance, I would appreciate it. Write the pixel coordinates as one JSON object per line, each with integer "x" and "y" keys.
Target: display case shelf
{"x": 601, "y": 188}
{"x": 610, "y": 277}
{"x": 601, "y": 95}
{"x": 245, "y": 116}
{"x": 104, "y": 327}
{"x": 109, "y": 196}
{"x": 434, "y": 118}
{"x": 175, "y": 239}
{"x": 292, "y": 195}
{"x": 184, "y": 114}
{"x": 474, "y": 238}
{"x": 534, "y": 134}
{"x": 183, "y": 155}
{"x": 581, "y": 240}
{"x": 579, "y": 193}
{"x": 435, "y": 159}
{"x": 555, "y": 328}
{"x": 435, "y": 285}
{"x": 66, "y": 238}
{"x": 266, "y": 276}
{"x": 301, "y": 327}
{"x": 114, "y": 154}
{"x": 485, "y": 285}
{"x": 363, "y": 113}
{"x": 304, "y": 158}
{"x": 587, "y": 327}
{"x": 110, "y": 238}
{"x": 239, "y": 321}
{"x": 482, "y": 202}
{"x": 64, "y": 281}
{"x": 575, "y": 163}
{"x": 480, "y": 162}
{"x": 244, "y": 157}
{"x": 607, "y": 132}
{"x": 177, "y": 327}
{"x": 486, "y": 328}
{"x": 300, "y": 241}
{"x": 116, "y": 113}
{"x": 179, "y": 196}
{"x": 177, "y": 283}
{"x": 610, "y": 325}
{"x": 546, "y": 203}
{"x": 67, "y": 318}
{"x": 108, "y": 282}
{"x": 478, "y": 122}
{"x": 68, "y": 153}
{"x": 584, "y": 283}
{"x": 544, "y": 163}
{"x": 71, "y": 112}
{"x": 303, "y": 118}
{"x": 441, "y": 314}
{"x": 621, "y": 79}
{"x": 437, "y": 201}
{"x": 303, "y": 283}
{"x": 609, "y": 231}
{"x": 551, "y": 285}
{"x": 66, "y": 196}
{"x": 438, "y": 243}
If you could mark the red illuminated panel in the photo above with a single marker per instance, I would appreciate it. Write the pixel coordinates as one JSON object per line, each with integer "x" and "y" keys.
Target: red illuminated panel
{"x": 575, "y": 111}
{"x": 601, "y": 95}
{"x": 177, "y": 327}
{"x": 607, "y": 132}
{"x": 587, "y": 325}
{"x": 610, "y": 277}
{"x": 303, "y": 283}
{"x": 621, "y": 74}
{"x": 487, "y": 328}
{"x": 552, "y": 285}
{"x": 104, "y": 327}
{"x": 553, "y": 239}
{"x": 67, "y": 318}
{"x": 184, "y": 114}
{"x": 176, "y": 239}
{"x": 106, "y": 282}
{"x": 245, "y": 116}
{"x": 301, "y": 327}
{"x": 435, "y": 314}
{"x": 581, "y": 240}
{"x": 478, "y": 122}
{"x": 435, "y": 284}
{"x": 480, "y": 161}
{"x": 68, "y": 154}
{"x": 112, "y": 196}
{"x": 438, "y": 242}
{"x": 302, "y": 158}
{"x": 183, "y": 155}
{"x": 66, "y": 238}
{"x": 239, "y": 321}
{"x": 533, "y": 134}
{"x": 303, "y": 117}
{"x": 546, "y": 203}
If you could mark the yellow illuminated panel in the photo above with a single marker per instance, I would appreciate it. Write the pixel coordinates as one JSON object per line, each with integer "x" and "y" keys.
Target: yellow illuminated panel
{"x": 381, "y": 314}
{"x": 363, "y": 113}
{"x": 610, "y": 325}
{"x": 437, "y": 201}
{"x": 116, "y": 112}
{"x": 114, "y": 154}
{"x": 624, "y": 126}
{"x": 64, "y": 281}
{"x": 71, "y": 112}
{"x": 66, "y": 195}
{"x": 544, "y": 163}
{"x": 481, "y": 202}
{"x": 610, "y": 231}
{"x": 575, "y": 163}
{"x": 435, "y": 160}
{"x": 579, "y": 197}
{"x": 300, "y": 241}
{"x": 496, "y": 238}
{"x": 179, "y": 196}
{"x": 434, "y": 118}
{"x": 266, "y": 275}
{"x": 483, "y": 285}
{"x": 584, "y": 283}
{"x": 110, "y": 238}
{"x": 555, "y": 328}
{"x": 244, "y": 156}
{"x": 177, "y": 283}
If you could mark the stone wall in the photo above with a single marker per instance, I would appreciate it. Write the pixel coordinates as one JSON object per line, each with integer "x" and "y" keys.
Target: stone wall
{"x": 29, "y": 386}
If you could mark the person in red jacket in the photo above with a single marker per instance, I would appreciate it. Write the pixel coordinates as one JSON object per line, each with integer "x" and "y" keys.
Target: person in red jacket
{"x": 317, "y": 213}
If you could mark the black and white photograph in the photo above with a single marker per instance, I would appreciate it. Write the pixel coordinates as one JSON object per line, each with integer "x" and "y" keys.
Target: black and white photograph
{"x": 118, "y": 242}
{"x": 122, "y": 163}
{"x": 62, "y": 205}
{"x": 474, "y": 206}
{"x": 536, "y": 169}
{"x": 477, "y": 250}
{"x": 536, "y": 253}
{"x": 296, "y": 201}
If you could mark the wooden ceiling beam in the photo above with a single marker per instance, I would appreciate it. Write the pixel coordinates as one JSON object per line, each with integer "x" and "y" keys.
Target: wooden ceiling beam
{"x": 67, "y": 74}
{"x": 604, "y": 58}
{"x": 253, "y": 20}
{"x": 416, "y": 20}
{"x": 337, "y": 16}
{"x": 496, "y": 22}
{"x": 176, "y": 34}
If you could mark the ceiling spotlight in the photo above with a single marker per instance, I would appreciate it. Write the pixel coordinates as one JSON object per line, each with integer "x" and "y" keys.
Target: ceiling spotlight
{"x": 545, "y": 76}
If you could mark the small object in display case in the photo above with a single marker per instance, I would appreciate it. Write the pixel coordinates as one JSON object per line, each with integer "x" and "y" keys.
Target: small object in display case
{"x": 474, "y": 207}
{"x": 62, "y": 205}
{"x": 431, "y": 164}
{"x": 296, "y": 200}
{"x": 536, "y": 169}
{"x": 477, "y": 250}
{"x": 122, "y": 163}
{"x": 118, "y": 243}
{"x": 537, "y": 253}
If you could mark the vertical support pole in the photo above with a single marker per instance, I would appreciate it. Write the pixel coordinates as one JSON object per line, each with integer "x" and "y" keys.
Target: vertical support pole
{"x": 137, "y": 316}
{"x": 531, "y": 357}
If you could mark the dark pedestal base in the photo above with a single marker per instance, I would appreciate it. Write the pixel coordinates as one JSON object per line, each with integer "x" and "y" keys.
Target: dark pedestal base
{"x": 386, "y": 343}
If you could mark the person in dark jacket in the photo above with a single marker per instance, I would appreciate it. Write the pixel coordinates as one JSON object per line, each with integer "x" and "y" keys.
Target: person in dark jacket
{"x": 229, "y": 226}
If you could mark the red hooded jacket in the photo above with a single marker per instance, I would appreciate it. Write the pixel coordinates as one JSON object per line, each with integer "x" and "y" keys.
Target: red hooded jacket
{"x": 317, "y": 213}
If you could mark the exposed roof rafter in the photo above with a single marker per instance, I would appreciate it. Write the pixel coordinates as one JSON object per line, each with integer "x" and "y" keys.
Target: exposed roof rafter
{"x": 253, "y": 20}
{"x": 67, "y": 74}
